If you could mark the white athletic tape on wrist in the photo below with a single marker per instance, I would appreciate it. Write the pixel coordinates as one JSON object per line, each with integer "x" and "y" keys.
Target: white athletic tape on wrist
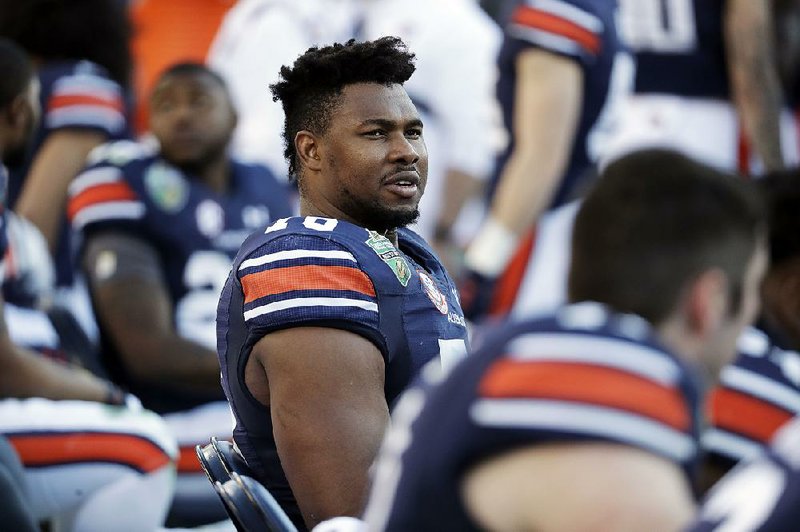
{"x": 492, "y": 249}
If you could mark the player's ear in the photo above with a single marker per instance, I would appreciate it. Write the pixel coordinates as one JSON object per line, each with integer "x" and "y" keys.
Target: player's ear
{"x": 707, "y": 302}
{"x": 307, "y": 147}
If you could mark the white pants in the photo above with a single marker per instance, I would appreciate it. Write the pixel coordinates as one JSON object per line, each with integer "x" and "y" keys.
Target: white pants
{"x": 91, "y": 466}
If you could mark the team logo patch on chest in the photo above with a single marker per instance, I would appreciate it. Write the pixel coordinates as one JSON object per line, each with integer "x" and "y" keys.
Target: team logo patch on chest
{"x": 389, "y": 254}
{"x": 167, "y": 187}
{"x": 432, "y": 291}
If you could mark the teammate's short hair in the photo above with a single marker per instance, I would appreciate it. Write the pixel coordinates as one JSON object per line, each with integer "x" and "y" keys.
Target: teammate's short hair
{"x": 781, "y": 192}
{"x": 310, "y": 88}
{"x": 654, "y": 220}
{"x": 17, "y": 71}
{"x": 192, "y": 68}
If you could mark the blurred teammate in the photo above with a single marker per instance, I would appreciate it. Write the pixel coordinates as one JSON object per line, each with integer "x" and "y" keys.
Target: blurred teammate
{"x": 88, "y": 465}
{"x": 760, "y": 392}
{"x": 160, "y": 230}
{"x": 707, "y": 81}
{"x": 587, "y": 418}
{"x": 326, "y": 317}
{"x": 80, "y": 50}
{"x": 562, "y": 75}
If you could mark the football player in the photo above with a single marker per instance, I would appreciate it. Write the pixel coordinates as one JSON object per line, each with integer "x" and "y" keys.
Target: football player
{"x": 587, "y": 418}
{"x": 327, "y": 317}
{"x": 160, "y": 229}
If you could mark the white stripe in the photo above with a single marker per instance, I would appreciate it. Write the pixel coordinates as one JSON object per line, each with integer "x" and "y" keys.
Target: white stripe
{"x": 310, "y": 302}
{"x": 728, "y": 444}
{"x": 546, "y": 40}
{"x": 590, "y": 420}
{"x": 762, "y": 387}
{"x": 296, "y": 254}
{"x": 634, "y": 358}
{"x": 572, "y": 13}
{"x": 86, "y": 115}
{"x": 87, "y": 85}
{"x": 94, "y": 177}
{"x": 110, "y": 210}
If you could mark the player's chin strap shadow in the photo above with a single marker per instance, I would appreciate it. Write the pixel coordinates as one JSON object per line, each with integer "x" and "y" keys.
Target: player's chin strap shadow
{"x": 250, "y": 505}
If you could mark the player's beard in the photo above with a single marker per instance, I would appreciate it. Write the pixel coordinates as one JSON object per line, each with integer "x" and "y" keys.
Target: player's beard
{"x": 373, "y": 215}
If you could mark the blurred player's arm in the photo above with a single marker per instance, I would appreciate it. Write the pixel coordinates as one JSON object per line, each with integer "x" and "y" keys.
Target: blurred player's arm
{"x": 132, "y": 302}
{"x": 328, "y": 430}
{"x": 548, "y": 98}
{"x": 610, "y": 487}
{"x": 755, "y": 83}
{"x": 24, "y": 373}
{"x": 44, "y": 194}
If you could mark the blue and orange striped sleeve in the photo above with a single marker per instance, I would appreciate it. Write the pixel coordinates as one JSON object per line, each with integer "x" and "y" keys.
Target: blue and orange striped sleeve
{"x": 558, "y": 26}
{"x": 101, "y": 194}
{"x": 86, "y": 99}
{"x": 301, "y": 279}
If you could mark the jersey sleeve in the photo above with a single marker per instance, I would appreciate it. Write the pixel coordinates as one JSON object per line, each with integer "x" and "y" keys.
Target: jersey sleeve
{"x": 572, "y": 387}
{"x": 298, "y": 280}
{"x": 101, "y": 197}
{"x": 86, "y": 99}
{"x": 565, "y": 28}
{"x": 757, "y": 394}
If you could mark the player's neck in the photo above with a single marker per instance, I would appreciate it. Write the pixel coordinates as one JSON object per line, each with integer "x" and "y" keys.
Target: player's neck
{"x": 324, "y": 209}
{"x": 215, "y": 174}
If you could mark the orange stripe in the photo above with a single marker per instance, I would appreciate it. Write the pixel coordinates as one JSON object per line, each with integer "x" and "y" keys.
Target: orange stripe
{"x": 508, "y": 286}
{"x": 120, "y": 191}
{"x": 281, "y": 280}
{"x": 187, "y": 461}
{"x": 528, "y": 16}
{"x": 67, "y": 100}
{"x": 56, "y": 449}
{"x": 587, "y": 383}
{"x": 745, "y": 414}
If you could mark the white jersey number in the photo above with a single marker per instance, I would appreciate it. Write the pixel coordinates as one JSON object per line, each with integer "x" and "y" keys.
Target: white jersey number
{"x": 196, "y": 313}
{"x": 661, "y": 26}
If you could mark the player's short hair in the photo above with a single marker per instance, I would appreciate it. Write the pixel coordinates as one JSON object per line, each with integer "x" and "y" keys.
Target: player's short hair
{"x": 17, "y": 71}
{"x": 781, "y": 193}
{"x": 310, "y": 89}
{"x": 192, "y": 68}
{"x": 655, "y": 220}
{"x": 95, "y": 30}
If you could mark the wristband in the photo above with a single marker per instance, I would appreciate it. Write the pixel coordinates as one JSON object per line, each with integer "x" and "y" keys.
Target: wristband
{"x": 491, "y": 249}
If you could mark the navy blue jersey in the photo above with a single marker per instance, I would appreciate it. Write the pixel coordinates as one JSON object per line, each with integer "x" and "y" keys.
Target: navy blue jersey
{"x": 320, "y": 271}
{"x": 3, "y": 229}
{"x": 761, "y": 494}
{"x": 75, "y": 95}
{"x": 757, "y": 394}
{"x": 678, "y": 45}
{"x": 582, "y": 31}
{"x": 580, "y": 375}
{"x": 195, "y": 231}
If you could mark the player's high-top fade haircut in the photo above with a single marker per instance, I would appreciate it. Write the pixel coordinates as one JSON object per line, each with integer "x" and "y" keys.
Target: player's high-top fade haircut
{"x": 653, "y": 222}
{"x": 309, "y": 90}
{"x": 17, "y": 72}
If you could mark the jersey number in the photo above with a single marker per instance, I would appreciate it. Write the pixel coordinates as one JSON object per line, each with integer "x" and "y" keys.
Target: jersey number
{"x": 664, "y": 26}
{"x": 196, "y": 313}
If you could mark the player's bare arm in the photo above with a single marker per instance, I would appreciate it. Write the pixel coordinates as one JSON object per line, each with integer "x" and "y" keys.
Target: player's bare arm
{"x": 628, "y": 489}
{"x": 132, "y": 301}
{"x": 753, "y": 71}
{"x": 329, "y": 413}
{"x": 58, "y": 161}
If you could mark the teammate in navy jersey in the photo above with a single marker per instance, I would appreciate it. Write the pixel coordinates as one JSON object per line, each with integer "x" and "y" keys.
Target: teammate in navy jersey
{"x": 707, "y": 81}
{"x": 160, "y": 230}
{"x": 83, "y": 64}
{"x": 327, "y": 317}
{"x": 588, "y": 419}
{"x": 760, "y": 392}
{"x": 87, "y": 465}
{"x": 562, "y": 72}
{"x": 762, "y": 494}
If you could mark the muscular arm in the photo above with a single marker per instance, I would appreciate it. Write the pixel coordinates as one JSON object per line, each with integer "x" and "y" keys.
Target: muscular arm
{"x": 547, "y": 106}
{"x": 24, "y": 373}
{"x": 329, "y": 414}
{"x": 755, "y": 83}
{"x": 58, "y": 161}
{"x": 133, "y": 304}
{"x": 595, "y": 486}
